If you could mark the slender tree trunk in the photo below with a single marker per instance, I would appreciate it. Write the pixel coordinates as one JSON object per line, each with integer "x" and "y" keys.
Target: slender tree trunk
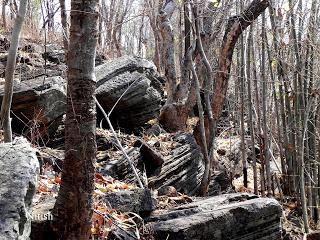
{"x": 258, "y": 118}
{"x": 250, "y": 109}
{"x": 4, "y": 19}
{"x": 242, "y": 110}
{"x": 297, "y": 117}
{"x": 64, "y": 23}
{"x": 11, "y": 63}
{"x": 73, "y": 208}
{"x": 276, "y": 104}
{"x": 313, "y": 121}
{"x": 205, "y": 181}
{"x": 264, "y": 109}
{"x": 285, "y": 108}
{"x": 302, "y": 170}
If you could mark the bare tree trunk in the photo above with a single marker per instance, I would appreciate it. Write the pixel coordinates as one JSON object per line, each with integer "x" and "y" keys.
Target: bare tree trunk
{"x": 73, "y": 208}
{"x": 250, "y": 109}
{"x": 64, "y": 23}
{"x": 4, "y": 19}
{"x": 141, "y": 37}
{"x": 302, "y": 170}
{"x": 174, "y": 114}
{"x": 242, "y": 107}
{"x": 236, "y": 25}
{"x": 264, "y": 108}
{"x": 205, "y": 179}
{"x": 11, "y": 63}
{"x": 313, "y": 122}
{"x": 297, "y": 123}
{"x": 274, "y": 93}
{"x": 285, "y": 107}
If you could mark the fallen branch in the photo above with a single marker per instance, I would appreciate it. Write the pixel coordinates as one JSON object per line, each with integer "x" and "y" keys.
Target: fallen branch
{"x": 119, "y": 144}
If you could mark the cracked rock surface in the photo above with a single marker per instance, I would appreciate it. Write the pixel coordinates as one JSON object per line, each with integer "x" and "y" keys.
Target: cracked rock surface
{"x": 237, "y": 216}
{"x": 19, "y": 168}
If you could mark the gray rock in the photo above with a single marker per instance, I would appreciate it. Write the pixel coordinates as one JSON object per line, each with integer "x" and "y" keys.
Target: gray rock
{"x": 219, "y": 183}
{"x": 136, "y": 83}
{"x": 182, "y": 168}
{"x": 123, "y": 64}
{"x": 136, "y": 200}
{"x": 19, "y": 168}
{"x": 54, "y": 54}
{"x": 38, "y": 105}
{"x": 230, "y": 216}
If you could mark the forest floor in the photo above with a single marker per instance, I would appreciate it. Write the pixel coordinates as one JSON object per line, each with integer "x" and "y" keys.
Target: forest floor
{"x": 106, "y": 219}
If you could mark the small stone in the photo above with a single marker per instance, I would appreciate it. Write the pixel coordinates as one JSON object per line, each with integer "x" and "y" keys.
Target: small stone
{"x": 169, "y": 191}
{"x": 136, "y": 200}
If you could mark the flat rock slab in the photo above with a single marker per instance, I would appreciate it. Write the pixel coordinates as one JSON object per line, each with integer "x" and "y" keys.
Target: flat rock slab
{"x": 19, "y": 168}
{"x": 231, "y": 216}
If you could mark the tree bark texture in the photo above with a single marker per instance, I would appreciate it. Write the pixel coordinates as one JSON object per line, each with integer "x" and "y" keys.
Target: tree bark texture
{"x": 236, "y": 25}
{"x": 73, "y": 208}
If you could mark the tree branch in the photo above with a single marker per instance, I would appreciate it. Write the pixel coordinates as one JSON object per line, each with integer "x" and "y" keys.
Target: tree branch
{"x": 236, "y": 25}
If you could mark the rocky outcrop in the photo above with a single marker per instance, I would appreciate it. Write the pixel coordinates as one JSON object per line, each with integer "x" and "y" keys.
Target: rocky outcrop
{"x": 182, "y": 168}
{"x": 19, "y": 168}
{"x": 232, "y": 216}
{"x": 37, "y": 105}
{"x": 134, "y": 84}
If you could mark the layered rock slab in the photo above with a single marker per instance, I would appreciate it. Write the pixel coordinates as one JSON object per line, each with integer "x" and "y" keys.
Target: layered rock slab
{"x": 182, "y": 168}
{"x": 134, "y": 86}
{"x": 231, "y": 216}
{"x": 38, "y": 105}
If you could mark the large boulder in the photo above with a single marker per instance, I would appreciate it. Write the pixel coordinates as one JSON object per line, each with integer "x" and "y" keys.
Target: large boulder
{"x": 231, "y": 216}
{"x": 19, "y": 168}
{"x": 134, "y": 85}
{"x": 38, "y": 105}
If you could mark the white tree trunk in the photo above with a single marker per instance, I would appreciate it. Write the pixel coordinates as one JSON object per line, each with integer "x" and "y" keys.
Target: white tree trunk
{"x": 11, "y": 63}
